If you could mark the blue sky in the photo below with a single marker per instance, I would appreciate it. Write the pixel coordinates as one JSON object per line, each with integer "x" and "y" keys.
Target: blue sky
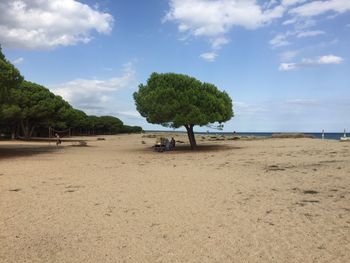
{"x": 284, "y": 63}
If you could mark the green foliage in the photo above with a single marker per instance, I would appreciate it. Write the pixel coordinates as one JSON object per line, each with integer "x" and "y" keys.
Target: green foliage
{"x": 175, "y": 100}
{"x": 10, "y": 113}
{"x": 131, "y": 129}
{"x": 109, "y": 124}
{"x": 27, "y": 106}
{"x": 38, "y": 106}
{"x": 37, "y": 103}
{"x": 9, "y": 78}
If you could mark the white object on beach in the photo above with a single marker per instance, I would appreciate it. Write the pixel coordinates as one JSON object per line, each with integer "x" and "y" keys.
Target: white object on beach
{"x": 345, "y": 138}
{"x": 322, "y": 134}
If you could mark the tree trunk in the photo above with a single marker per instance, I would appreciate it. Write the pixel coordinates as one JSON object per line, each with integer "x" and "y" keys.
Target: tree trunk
{"x": 31, "y": 132}
{"x": 18, "y": 130}
{"x": 13, "y": 133}
{"x": 27, "y": 131}
{"x": 190, "y": 134}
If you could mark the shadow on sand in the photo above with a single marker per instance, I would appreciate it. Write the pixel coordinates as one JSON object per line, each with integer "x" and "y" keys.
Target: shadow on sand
{"x": 18, "y": 150}
{"x": 202, "y": 148}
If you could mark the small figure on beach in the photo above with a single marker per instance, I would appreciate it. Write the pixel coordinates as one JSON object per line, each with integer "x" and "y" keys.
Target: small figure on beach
{"x": 58, "y": 139}
{"x": 322, "y": 134}
{"x": 172, "y": 143}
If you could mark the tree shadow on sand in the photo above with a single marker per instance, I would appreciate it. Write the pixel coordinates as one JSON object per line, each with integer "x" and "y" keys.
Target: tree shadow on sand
{"x": 12, "y": 151}
{"x": 203, "y": 148}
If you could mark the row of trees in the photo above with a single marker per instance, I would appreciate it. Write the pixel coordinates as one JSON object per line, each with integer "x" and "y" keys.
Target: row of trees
{"x": 28, "y": 109}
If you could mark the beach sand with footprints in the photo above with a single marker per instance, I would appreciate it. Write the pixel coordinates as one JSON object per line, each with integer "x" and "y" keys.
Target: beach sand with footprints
{"x": 116, "y": 200}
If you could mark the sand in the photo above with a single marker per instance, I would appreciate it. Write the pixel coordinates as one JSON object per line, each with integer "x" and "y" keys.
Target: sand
{"x": 273, "y": 200}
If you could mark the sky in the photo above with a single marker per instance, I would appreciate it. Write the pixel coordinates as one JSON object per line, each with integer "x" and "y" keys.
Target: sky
{"x": 284, "y": 63}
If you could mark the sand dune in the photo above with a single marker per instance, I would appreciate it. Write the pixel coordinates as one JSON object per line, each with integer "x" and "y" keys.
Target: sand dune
{"x": 273, "y": 200}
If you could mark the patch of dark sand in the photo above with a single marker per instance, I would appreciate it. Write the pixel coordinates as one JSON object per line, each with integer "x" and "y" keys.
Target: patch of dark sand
{"x": 274, "y": 168}
{"x": 204, "y": 148}
{"x": 19, "y": 150}
{"x": 311, "y": 192}
{"x": 278, "y": 167}
{"x": 15, "y": 190}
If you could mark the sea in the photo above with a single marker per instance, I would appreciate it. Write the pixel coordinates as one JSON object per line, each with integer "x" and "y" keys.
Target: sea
{"x": 317, "y": 135}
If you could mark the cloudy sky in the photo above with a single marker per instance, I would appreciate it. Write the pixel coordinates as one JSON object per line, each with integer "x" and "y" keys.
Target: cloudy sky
{"x": 285, "y": 63}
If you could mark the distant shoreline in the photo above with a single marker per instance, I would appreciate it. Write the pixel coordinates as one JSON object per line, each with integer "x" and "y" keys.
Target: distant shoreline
{"x": 316, "y": 135}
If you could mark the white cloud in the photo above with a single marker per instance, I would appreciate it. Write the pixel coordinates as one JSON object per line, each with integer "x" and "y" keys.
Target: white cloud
{"x": 287, "y": 66}
{"x": 292, "y": 2}
{"x": 330, "y": 59}
{"x": 288, "y": 55}
{"x": 214, "y": 19}
{"x": 18, "y": 61}
{"x": 316, "y": 8}
{"x": 216, "y": 43}
{"x": 269, "y": 4}
{"x": 280, "y": 40}
{"x": 92, "y": 95}
{"x": 133, "y": 114}
{"x": 323, "y": 60}
{"x": 310, "y": 33}
{"x": 304, "y": 23}
{"x": 209, "y": 56}
{"x": 289, "y": 22}
{"x": 46, "y": 24}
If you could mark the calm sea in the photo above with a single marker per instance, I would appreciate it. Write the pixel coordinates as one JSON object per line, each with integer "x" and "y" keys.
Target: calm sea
{"x": 328, "y": 136}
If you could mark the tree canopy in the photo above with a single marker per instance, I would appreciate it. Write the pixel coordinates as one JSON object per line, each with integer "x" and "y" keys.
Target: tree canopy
{"x": 37, "y": 106}
{"x": 175, "y": 100}
{"x": 9, "y": 77}
{"x": 28, "y": 108}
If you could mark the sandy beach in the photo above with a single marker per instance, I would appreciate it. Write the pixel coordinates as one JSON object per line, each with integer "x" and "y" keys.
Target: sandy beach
{"x": 271, "y": 200}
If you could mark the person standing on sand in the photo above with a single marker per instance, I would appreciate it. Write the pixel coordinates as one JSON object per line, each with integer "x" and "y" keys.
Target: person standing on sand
{"x": 58, "y": 139}
{"x": 172, "y": 143}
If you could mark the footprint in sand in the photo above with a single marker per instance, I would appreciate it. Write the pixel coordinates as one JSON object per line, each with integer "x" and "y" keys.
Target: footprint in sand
{"x": 274, "y": 168}
{"x": 110, "y": 210}
{"x": 72, "y": 188}
{"x": 310, "y": 201}
{"x": 15, "y": 190}
{"x": 310, "y": 192}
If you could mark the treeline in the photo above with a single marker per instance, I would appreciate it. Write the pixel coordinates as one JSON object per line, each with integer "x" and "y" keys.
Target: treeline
{"x": 28, "y": 110}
